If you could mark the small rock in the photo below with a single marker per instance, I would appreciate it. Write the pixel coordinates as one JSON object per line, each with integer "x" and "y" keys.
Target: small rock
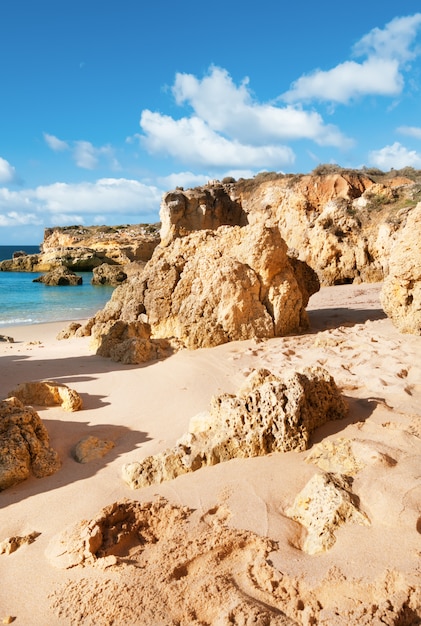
{"x": 7, "y": 339}
{"x": 324, "y": 504}
{"x": 91, "y": 449}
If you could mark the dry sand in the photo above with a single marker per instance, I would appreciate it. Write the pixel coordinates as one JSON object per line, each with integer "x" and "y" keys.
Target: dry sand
{"x": 215, "y": 546}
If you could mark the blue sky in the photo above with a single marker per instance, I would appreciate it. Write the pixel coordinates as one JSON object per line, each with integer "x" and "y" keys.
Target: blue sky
{"x": 106, "y": 105}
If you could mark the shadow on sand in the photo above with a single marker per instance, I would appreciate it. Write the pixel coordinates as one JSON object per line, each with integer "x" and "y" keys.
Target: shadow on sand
{"x": 328, "y": 319}
{"x": 64, "y": 435}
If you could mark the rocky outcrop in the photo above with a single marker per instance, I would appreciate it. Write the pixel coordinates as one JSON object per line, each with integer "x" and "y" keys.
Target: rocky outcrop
{"x": 211, "y": 287}
{"x": 81, "y": 248}
{"x": 341, "y": 224}
{"x": 269, "y": 414}
{"x": 324, "y": 504}
{"x": 24, "y": 445}
{"x": 401, "y": 294}
{"x": 48, "y": 393}
{"x": 25, "y": 263}
{"x": 119, "y": 244}
{"x": 59, "y": 276}
{"x": 202, "y": 208}
{"x": 128, "y": 342}
{"x": 107, "y": 274}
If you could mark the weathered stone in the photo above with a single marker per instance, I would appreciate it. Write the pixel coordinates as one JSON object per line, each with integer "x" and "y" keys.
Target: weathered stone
{"x": 11, "y": 544}
{"x": 91, "y": 449}
{"x": 83, "y": 248}
{"x": 7, "y": 339}
{"x": 211, "y": 287}
{"x": 326, "y": 220}
{"x": 269, "y": 414}
{"x": 24, "y": 445}
{"x": 346, "y": 456}
{"x": 401, "y": 293}
{"x": 69, "y": 331}
{"x": 59, "y": 276}
{"x": 106, "y": 274}
{"x": 202, "y": 208}
{"x": 324, "y": 504}
{"x": 48, "y": 393}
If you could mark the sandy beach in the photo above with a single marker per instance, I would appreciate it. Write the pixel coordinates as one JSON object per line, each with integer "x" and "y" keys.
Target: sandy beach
{"x": 224, "y": 550}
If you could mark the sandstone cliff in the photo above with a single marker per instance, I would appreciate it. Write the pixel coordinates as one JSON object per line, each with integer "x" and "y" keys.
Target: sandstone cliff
{"x": 81, "y": 248}
{"x": 401, "y": 294}
{"x": 341, "y": 224}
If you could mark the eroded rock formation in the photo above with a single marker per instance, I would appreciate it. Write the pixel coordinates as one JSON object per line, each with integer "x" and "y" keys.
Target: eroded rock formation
{"x": 48, "y": 393}
{"x": 11, "y": 544}
{"x": 341, "y": 224}
{"x": 401, "y": 294}
{"x": 193, "y": 567}
{"x": 24, "y": 445}
{"x": 82, "y": 248}
{"x": 107, "y": 274}
{"x": 211, "y": 287}
{"x": 202, "y": 208}
{"x": 59, "y": 276}
{"x": 269, "y": 414}
{"x": 325, "y": 503}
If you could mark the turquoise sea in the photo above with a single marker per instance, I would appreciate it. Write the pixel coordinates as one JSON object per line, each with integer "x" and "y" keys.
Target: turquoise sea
{"x": 25, "y": 302}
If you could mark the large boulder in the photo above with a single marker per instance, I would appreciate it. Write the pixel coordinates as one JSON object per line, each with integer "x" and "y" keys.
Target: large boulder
{"x": 24, "y": 445}
{"x": 401, "y": 293}
{"x": 269, "y": 414}
{"x": 59, "y": 276}
{"x": 215, "y": 286}
{"x": 48, "y": 393}
{"x": 106, "y": 274}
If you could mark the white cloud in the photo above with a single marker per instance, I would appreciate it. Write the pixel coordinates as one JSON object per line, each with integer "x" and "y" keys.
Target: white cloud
{"x": 7, "y": 172}
{"x": 58, "y": 145}
{"x": 107, "y": 195}
{"x": 410, "y": 131}
{"x": 395, "y": 156}
{"x": 182, "y": 179}
{"x": 63, "y": 203}
{"x": 387, "y": 50}
{"x": 228, "y": 129}
{"x": 84, "y": 153}
{"x": 394, "y": 41}
{"x": 349, "y": 80}
{"x": 229, "y": 109}
{"x": 14, "y": 218}
{"x": 191, "y": 140}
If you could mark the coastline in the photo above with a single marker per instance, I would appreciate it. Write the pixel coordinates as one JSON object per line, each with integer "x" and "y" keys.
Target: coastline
{"x": 145, "y": 409}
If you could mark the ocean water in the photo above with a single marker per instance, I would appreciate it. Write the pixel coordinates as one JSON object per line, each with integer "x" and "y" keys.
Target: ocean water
{"x": 25, "y": 302}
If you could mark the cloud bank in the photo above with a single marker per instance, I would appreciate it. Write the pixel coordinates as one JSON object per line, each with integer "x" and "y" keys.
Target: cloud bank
{"x": 63, "y": 203}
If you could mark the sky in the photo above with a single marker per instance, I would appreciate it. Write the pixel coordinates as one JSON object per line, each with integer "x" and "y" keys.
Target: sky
{"x": 105, "y": 106}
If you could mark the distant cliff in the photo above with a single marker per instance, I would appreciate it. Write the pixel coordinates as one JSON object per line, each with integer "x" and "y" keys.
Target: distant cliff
{"x": 83, "y": 248}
